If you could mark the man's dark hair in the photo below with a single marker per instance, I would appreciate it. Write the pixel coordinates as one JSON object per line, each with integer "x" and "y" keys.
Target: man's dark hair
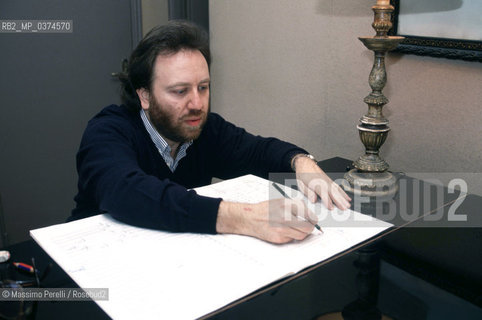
{"x": 162, "y": 40}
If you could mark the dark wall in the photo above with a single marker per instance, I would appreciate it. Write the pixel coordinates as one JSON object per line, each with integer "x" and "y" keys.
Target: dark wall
{"x": 196, "y": 11}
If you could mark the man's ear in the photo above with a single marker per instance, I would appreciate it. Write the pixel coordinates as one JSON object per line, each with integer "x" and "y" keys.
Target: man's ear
{"x": 143, "y": 95}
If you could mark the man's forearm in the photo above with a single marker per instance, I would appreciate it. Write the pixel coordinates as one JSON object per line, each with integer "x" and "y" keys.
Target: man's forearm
{"x": 266, "y": 220}
{"x": 232, "y": 217}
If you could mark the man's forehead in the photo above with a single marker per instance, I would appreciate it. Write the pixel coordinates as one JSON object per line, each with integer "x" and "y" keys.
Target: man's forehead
{"x": 181, "y": 65}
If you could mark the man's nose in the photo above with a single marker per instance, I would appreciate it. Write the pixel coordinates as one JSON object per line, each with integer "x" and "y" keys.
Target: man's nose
{"x": 196, "y": 101}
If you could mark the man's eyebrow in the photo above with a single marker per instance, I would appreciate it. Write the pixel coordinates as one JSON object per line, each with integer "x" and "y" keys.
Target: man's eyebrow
{"x": 178, "y": 84}
{"x": 185, "y": 84}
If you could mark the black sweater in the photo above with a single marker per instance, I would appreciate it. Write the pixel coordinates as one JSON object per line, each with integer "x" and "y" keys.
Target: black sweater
{"x": 122, "y": 173}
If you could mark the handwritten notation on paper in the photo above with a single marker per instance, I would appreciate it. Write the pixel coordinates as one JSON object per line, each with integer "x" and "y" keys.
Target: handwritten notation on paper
{"x": 149, "y": 267}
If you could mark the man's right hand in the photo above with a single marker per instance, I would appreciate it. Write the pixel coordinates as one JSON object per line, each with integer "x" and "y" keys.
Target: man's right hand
{"x": 276, "y": 221}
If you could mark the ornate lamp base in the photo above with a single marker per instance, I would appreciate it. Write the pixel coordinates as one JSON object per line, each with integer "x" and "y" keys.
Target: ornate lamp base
{"x": 371, "y": 177}
{"x": 371, "y": 184}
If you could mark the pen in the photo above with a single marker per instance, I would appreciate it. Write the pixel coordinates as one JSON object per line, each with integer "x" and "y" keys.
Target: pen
{"x": 24, "y": 267}
{"x": 277, "y": 187}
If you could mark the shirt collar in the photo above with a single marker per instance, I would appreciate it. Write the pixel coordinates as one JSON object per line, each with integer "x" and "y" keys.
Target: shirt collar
{"x": 162, "y": 145}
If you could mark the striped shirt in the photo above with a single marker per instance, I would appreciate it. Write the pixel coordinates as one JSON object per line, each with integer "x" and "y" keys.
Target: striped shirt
{"x": 162, "y": 146}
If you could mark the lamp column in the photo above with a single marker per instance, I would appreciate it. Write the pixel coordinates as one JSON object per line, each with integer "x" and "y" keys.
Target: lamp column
{"x": 371, "y": 177}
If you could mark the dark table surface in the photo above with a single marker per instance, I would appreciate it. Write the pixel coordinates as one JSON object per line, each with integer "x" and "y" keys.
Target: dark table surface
{"x": 449, "y": 258}
{"x": 447, "y": 254}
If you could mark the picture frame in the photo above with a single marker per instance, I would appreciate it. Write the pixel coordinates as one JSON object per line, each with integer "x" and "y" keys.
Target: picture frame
{"x": 438, "y": 38}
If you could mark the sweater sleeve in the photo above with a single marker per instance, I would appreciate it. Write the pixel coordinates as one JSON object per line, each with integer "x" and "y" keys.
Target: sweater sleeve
{"x": 239, "y": 152}
{"x": 110, "y": 175}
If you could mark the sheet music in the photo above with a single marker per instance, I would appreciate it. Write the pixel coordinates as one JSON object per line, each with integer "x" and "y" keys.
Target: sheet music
{"x": 155, "y": 274}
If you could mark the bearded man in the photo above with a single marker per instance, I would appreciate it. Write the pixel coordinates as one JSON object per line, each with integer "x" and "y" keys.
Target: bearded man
{"x": 138, "y": 161}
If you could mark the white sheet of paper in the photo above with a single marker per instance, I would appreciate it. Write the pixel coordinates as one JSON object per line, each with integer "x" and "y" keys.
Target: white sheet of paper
{"x": 155, "y": 274}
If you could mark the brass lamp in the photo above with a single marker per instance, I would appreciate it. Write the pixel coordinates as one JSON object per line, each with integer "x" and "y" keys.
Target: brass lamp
{"x": 371, "y": 177}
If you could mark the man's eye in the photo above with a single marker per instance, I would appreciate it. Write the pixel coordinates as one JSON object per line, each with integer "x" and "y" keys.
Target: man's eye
{"x": 179, "y": 92}
{"x": 203, "y": 88}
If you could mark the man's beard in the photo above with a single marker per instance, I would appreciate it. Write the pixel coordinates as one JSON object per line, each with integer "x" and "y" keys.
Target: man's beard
{"x": 175, "y": 129}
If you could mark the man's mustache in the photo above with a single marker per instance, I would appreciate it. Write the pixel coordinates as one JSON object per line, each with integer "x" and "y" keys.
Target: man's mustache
{"x": 193, "y": 113}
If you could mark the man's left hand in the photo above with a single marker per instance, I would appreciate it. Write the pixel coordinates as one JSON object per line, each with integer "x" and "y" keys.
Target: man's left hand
{"x": 314, "y": 183}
